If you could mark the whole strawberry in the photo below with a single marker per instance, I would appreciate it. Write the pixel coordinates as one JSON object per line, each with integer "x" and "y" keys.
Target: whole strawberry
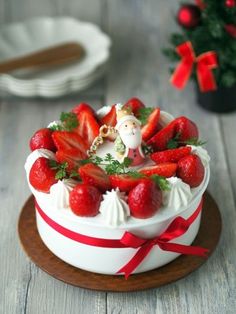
{"x": 191, "y": 170}
{"x": 41, "y": 176}
{"x": 145, "y": 199}
{"x": 85, "y": 200}
{"x": 135, "y": 104}
{"x": 42, "y": 139}
{"x": 82, "y": 107}
{"x": 186, "y": 129}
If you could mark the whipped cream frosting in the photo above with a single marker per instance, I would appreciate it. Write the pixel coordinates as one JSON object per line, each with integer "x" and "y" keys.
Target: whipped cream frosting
{"x": 60, "y": 192}
{"x": 179, "y": 194}
{"x": 54, "y": 123}
{"x": 165, "y": 118}
{"x": 103, "y": 111}
{"x": 202, "y": 154}
{"x": 114, "y": 208}
{"x": 35, "y": 155}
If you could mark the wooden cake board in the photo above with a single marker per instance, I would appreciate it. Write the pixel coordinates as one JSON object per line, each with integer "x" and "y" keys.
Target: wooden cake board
{"x": 208, "y": 237}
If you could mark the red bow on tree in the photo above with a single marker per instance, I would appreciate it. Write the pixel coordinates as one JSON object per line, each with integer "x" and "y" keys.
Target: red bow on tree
{"x": 204, "y": 65}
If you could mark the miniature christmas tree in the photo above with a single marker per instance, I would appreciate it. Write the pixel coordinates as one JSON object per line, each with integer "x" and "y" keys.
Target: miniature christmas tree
{"x": 209, "y": 26}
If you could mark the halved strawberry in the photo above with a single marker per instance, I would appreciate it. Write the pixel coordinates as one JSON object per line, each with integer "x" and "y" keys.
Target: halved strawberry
{"x": 82, "y": 107}
{"x": 124, "y": 182}
{"x": 71, "y": 156}
{"x": 110, "y": 117}
{"x": 171, "y": 155}
{"x": 88, "y": 127}
{"x": 167, "y": 169}
{"x": 149, "y": 129}
{"x": 71, "y": 148}
{"x": 65, "y": 140}
{"x": 135, "y": 104}
{"x": 186, "y": 129}
{"x": 160, "y": 140}
{"x": 94, "y": 175}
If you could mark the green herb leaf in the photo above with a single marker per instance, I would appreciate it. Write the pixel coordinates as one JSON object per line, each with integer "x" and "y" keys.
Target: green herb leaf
{"x": 194, "y": 141}
{"x": 147, "y": 150}
{"x": 161, "y": 182}
{"x": 174, "y": 142}
{"x": 144, "y": 113}
{"x": 61, "y": 169}
{"x": 69, "y": 121}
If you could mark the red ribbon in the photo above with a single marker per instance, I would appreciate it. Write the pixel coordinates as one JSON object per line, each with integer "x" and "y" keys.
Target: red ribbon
{"x": 176, "y": 228}
{"x": 204, "y": 65}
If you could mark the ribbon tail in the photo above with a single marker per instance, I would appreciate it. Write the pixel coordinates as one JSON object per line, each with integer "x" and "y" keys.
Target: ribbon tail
{"x": 184, "y": 249}
{"x": 182, "y": 74}
{"x": 137, "y": 259}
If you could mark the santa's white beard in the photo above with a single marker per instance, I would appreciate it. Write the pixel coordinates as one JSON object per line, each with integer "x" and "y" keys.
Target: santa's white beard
{"x": 131, "y": 138}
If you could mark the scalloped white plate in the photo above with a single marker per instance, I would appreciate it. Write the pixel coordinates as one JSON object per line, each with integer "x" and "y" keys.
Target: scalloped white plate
{"x": 35, "y": 34}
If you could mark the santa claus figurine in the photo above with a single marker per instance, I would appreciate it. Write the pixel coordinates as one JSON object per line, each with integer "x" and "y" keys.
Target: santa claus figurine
{"x": 129, "y": 140}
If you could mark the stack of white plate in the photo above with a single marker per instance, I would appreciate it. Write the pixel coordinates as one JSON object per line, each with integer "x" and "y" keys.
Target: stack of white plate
{"x": 22, "y": 38}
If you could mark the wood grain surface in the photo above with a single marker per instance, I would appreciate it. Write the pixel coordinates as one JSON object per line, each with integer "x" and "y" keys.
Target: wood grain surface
{"x": 139, "y": 30}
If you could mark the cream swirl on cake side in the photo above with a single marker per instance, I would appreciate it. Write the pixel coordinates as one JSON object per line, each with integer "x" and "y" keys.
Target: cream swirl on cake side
{"x": 60, "y": 193}
{"x": 179, "y": 194}
{"x": 114, "y": 208}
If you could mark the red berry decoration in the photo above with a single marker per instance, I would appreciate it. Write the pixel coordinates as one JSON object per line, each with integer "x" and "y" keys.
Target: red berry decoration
{"x": 186, "y": 129}
{"x": 124, "y": 182}
{"x": 42, "y": 139}
{"x": 167, "y": 170}
{"x": 231, "y": 30}
{"x": 191, "y": 170}
{"x": 171, "y": 155}
{"x": 41, "y": 176}
{"x": 189, "y": 16}
{"x": 230, "y": 3}
{"x": 145, "y": 199}
{"x": 85, "y": 200}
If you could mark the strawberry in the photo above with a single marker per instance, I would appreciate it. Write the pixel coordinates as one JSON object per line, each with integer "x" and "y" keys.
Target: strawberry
{"x": 110, "y": 117}
{"x": 82, "y": 107}
{"x": 171, "y": 155}
{"x": 42, "y": 139}
{"x": 85, "y": 200}
{"x": 88, "y": 127}
{"x": 95, "y": 175}
{"x": 135, "y": 104}
{"x": 186, "y": 129}
{"x": 151, "y": 126}
{"x": 160, "y": 140}
{"x": 166, "y": 169}
{"x": 145, "y": 199}
{"x": 71, "y": 147}
{"x": 124, "y": 182}
{"x": 191, "y": 170}
{"x": 41, "y": 176}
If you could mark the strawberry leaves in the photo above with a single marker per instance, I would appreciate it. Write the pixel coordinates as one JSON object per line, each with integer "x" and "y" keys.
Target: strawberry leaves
{"x": 175, "y": 142}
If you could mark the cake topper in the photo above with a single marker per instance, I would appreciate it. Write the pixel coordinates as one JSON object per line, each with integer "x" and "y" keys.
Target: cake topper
{"x": 129, "y": 139}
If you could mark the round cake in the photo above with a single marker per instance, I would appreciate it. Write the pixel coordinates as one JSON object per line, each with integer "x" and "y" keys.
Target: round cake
{"x": 120, "y": 190}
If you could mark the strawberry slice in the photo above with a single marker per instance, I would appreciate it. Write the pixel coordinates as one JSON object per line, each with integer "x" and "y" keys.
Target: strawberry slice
{"x": 135, "y": 104}
{"x": 167, "y": 169}
{"x": 94, "y": 175}
{"x": 71, "y": 156}
{"x": 82, "y": 107}
{"x": 160, "y": 140}
{"x": 65, "y": 140}
{"x": 171, "y": 155}
{"x": 110, "y": 117}
{"x": 88, "y": 127}
{"x": 71, "y": 148}
{"x": 149, "y": 129}
{"x": 124, "y": 182}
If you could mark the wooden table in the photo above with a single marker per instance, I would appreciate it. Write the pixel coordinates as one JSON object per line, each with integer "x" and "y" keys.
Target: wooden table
{"x": 139, "y": 29}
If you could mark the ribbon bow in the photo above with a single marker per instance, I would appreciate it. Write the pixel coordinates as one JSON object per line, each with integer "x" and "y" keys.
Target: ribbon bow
{"x": 204, "y": 65}
{"x": 177, "y": 228}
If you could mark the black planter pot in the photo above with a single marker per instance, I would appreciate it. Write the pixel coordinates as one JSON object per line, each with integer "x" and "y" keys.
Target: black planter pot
{"x": 222, "y": 100}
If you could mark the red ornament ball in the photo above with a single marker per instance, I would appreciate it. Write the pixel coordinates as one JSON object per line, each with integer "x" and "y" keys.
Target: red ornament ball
{"x": 189, "y": 16}
{"x": 230, "y": 3}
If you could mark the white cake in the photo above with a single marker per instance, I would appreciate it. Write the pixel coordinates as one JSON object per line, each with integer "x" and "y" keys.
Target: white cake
{"x": 76, "y": 239}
